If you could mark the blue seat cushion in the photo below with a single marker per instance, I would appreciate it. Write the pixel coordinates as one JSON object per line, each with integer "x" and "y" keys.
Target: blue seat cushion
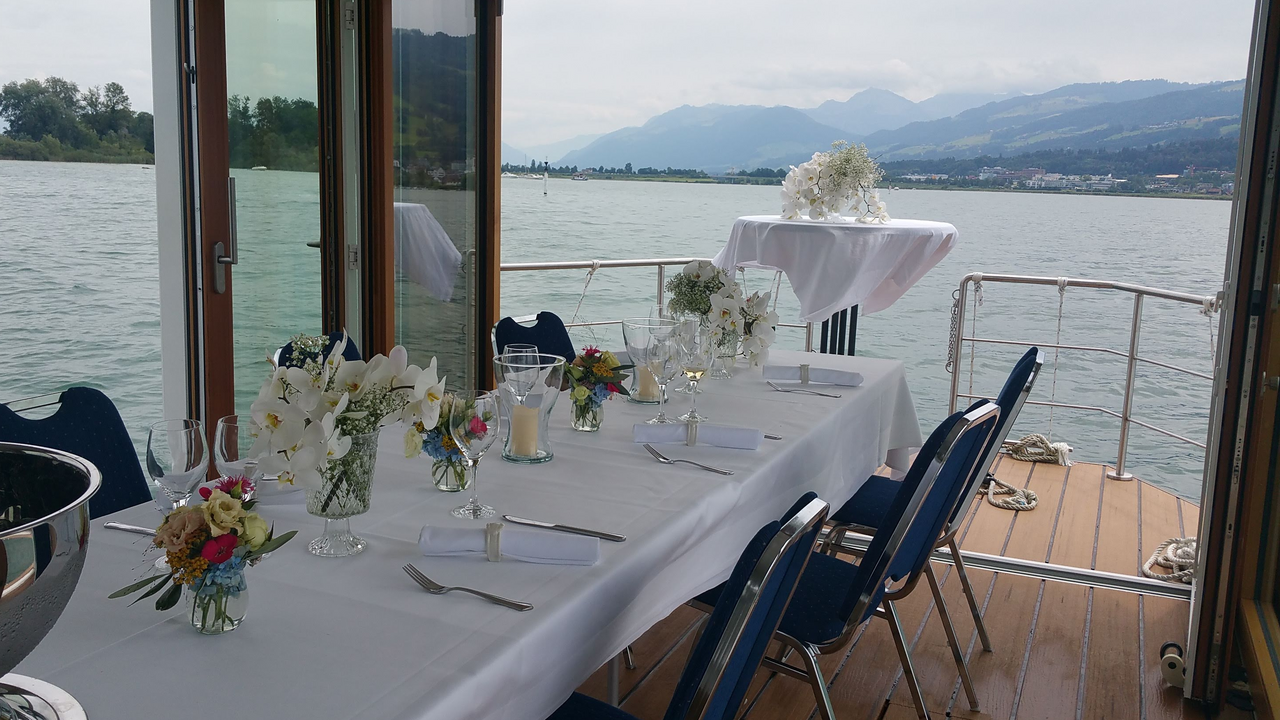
{"x": 585, "y": 707}
{"x": 868, "y": 506}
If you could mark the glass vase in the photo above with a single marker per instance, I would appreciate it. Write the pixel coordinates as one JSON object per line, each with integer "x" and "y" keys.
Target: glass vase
{"x": 587, "y": 416}
{"x": 345, "y": 490}
{"x": 450, "y": 475}
{"x": 215, "y": 609}
{"x": 726, "y": 357}
{"x": 528, "y": 387}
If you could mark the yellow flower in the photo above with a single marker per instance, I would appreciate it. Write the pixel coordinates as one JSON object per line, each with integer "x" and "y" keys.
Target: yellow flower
{"x": 255, "y": 530}
{"x": 580, "y": 393}
{"x": 413, "y": 443}
{"x": 222, "y": 512}
{"x": 610, "y": 360}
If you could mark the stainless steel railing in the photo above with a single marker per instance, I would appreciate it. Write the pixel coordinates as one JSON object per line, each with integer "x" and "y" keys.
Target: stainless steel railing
{"x": 1208, "y": 304}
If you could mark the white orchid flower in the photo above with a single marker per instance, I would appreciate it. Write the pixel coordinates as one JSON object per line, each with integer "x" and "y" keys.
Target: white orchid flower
{"x": 302, "y": 468}
{"x": 428, "y": 391}
{"x": 691, "y": 269}
{"x": 723, "y": 308}
{"x": 352, "y": 378}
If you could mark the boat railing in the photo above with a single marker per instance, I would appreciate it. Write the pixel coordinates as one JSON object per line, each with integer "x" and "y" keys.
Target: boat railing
{"x": 970, "y": 286}
{"x": 659, "y": 263}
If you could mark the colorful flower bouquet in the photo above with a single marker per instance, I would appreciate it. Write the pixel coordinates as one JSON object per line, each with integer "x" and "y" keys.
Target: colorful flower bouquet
{"x": 594, "y": 376}
{"x": 207, "y": 548}
{"x": 449, "y": 469}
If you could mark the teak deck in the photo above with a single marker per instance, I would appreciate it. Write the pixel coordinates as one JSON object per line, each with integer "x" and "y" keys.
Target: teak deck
{"x": 1060, "y": 651}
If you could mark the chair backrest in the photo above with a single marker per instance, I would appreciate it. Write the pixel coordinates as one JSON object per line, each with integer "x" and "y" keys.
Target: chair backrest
{"x": 739, "y": 629}
{"x": 1011, "y": 399}
{"x": 548, "y": 333}
{"x": 87, "y": 424}
{"x": 284, "y": 356}
{"x": 915, "y": 517}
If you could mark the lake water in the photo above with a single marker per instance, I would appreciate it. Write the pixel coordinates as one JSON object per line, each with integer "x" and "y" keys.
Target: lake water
{"x": 80, "y": 300}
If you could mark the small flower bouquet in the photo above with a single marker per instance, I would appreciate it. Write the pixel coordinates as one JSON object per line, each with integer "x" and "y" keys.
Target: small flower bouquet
{"x": 449, "y": 469}
{"x": 692, "y": 289}
{"x": 207, "y": 548}
{"x": 833, "y": 182}
{"x": 594, "y": 377}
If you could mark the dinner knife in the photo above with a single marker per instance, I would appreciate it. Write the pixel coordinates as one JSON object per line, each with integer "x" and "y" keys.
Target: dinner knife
{"x": 135, "y": 529}
{"x": 611, "y": 537}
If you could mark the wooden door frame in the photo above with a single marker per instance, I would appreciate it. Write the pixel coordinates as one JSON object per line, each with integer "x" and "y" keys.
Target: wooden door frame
{"x": 489, "y": 183}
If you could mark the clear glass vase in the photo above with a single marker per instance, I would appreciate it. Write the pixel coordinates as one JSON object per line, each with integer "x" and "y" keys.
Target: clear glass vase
{"x": 345, "y": 491}
{"x": 587, "y": 416}
{"x": 726, "y": 357}
{"x": 528, "y": 387}
{"x": 216, "y": 609}
{"x": 450, "y": 475}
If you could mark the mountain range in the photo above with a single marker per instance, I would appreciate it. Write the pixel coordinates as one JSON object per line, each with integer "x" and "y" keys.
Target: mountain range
{"x": 716, "y": 138}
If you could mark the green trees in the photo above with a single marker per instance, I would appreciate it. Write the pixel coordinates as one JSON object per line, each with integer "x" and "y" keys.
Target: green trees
{"x": 54, "y": 120}
{"x": 276, "y": 132}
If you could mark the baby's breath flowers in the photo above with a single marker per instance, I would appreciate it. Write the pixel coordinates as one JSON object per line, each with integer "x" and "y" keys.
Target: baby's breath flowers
{"x": 833, "y": 182}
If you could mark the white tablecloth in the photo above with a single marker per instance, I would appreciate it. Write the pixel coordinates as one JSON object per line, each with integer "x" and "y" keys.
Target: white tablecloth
{"x": 424, "y": 251}
{"x": 354, "y": 638}
{"x": 836, "y": 265}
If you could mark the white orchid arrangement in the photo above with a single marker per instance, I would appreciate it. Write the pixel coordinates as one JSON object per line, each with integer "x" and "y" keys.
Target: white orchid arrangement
{"x": 704, "y": 289}
{"x": 312, "y": 405}
{"x": 831, "y": 183}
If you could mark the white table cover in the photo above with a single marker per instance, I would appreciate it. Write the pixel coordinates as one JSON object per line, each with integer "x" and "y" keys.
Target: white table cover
{"x": 835, "y": 265}
{"x": 424, "y": 251}
{"x": 355, "y": 638}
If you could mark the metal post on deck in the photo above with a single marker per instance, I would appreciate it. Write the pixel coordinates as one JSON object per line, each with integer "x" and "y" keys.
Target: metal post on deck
{"x": 808, "y": 337}
{"x": 957, "y": 342}
{"x": 1126, "y": 413}
{"x": 662, "y": 276}
{"x": 613, "y": 674}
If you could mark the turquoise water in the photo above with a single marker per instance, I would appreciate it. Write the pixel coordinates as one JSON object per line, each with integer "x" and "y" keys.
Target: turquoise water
{"x": 81, "y": 302}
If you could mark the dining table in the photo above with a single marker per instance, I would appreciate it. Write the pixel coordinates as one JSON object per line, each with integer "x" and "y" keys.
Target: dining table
{"x": 354, "y": 637}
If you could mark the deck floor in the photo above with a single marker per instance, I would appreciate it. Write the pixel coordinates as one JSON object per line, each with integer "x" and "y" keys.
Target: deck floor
{"x": 1060, "y": 651}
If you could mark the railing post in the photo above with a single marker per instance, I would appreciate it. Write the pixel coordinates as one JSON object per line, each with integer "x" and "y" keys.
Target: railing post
{"x": 1127, "y": 412}
{"x": 808, "y": 337}
{"x": 662, "y": 277}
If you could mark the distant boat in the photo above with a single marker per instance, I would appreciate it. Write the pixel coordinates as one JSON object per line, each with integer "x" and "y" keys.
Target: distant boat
{"x": 580, "y": 176}
{"x": 258, "y": 167}
{"x": 509, "y": 174}
{"x": 531, "y": 176}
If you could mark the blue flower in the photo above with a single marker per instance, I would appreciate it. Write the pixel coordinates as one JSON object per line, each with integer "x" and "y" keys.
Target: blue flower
{"x": 433, "y": 446}
{"x": 227, "y": 577}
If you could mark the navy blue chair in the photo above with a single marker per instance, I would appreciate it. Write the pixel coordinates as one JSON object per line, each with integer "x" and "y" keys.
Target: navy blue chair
{"x": 834, "y": 598}
{"x": 284, "y": 356}
{"x": 735, "y": 637}
{"x": 87, "y": 424}
{"x": 547, "y": 332}
{"x": 865, "y": 510}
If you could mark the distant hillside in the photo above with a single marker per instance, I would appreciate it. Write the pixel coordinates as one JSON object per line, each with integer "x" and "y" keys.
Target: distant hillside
{"x": 712, "y": 138}
{"x": 552, "y": 152}
{"x": 874, "y": 109}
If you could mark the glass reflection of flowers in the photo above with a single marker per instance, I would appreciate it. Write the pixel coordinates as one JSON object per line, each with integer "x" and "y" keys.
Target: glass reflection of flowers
{"x": 207, "y": 548}
{"x": 594, "y": 376}
{"x": 449, "y": 466}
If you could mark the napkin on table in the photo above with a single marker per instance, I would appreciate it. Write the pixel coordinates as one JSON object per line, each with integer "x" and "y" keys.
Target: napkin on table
{"x": 723, "y": 436}
{"x": 847, "y": 378}
{"x": 517, "y": 543}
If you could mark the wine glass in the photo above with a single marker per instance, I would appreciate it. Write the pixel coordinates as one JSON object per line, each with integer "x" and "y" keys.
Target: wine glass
{"x": 662, "y": 358}
{"x": 177, "y": 457}
{"x": 522, "y": 360}
{"x": 474, "y": 424}
{"x": 697, "y": 350}
{"x": 635, "y": 335}
{"x": 233, "y": 440}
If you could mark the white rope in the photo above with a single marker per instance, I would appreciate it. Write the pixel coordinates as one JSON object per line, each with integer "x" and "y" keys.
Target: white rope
{"x": 1010, "y": 497}
{"x": 1037, "y": 448}
{"x": 1057, "y": 340}
{"x": 595, "y": 265}
{"x": 1177, "y": 555}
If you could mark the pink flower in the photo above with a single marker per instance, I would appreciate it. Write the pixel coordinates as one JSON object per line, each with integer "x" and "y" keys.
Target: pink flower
{"x": 219, "y": 549}
{"x": 234, "y": 486}
{"x": 591, "y": 351}
{"x": 478, "y": 426}
{"x": 205, "y": 492}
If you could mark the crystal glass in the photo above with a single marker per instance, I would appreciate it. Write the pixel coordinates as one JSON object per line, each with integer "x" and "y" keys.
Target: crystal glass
{"x": 727, "y": 351}
{"x": 233, "y": 439}
{"x": 216, "y": 608}
{"x": 697, "y": 351}
{"x": 528, "y": 387}
{"x": 662, "y": 359}
{"x": 177, "y": 457}
{"x": 635, "y": 335}
{"x": 474, "y": 426}
{"x": 688, "y": 388}
{"x": 346, "y": 489}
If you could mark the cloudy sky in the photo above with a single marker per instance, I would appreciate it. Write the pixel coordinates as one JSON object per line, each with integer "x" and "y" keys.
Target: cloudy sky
{"x": 590, "y": 66}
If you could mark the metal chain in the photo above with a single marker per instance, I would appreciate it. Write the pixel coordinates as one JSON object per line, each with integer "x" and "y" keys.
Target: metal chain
{"x": 1057, "y": 340}
{"x": 955, "y": 328}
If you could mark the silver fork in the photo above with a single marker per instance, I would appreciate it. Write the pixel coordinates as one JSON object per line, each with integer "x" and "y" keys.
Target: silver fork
{"x": 436, "y": 588}
{"x": 669, "y": 461}
{"x": 802, "y": 390}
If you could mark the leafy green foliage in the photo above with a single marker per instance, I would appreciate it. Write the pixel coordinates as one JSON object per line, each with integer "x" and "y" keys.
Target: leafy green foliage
{"x": 54, "y": 120}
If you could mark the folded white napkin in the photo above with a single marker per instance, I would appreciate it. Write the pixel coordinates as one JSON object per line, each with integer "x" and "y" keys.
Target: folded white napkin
{"x": 516, "y": 543}
{"x": 816, "y": 375}
{"x": 723, "y": 436}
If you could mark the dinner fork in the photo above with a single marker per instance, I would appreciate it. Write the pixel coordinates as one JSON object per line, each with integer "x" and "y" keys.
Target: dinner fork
{"x": 669, "y": 461}
{"x": 802, "y": 390}
{"x": 436, "y": 588}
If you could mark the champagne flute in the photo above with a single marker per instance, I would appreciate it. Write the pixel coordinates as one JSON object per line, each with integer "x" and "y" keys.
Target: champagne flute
{"x": 177, "y": 457}
{"x": 474, "y": 424}
{"x": 697, "y": 350}
{"x": 662, "y": 358}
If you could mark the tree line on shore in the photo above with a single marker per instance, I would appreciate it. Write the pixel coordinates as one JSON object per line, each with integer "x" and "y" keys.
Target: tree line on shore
{"x": 53, "y": 119}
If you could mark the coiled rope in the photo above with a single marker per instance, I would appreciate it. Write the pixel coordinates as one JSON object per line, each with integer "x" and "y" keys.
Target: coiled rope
{"x": 1008, "y": 497}
{"x": 1037, "y": 448}
{"x": 1177, "y": 555}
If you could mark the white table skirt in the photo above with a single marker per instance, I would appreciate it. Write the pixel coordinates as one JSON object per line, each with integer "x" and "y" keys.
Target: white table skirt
{"x": 836, "y": 265}
{"x": 353, "y": 637}
{"x": 424, "y": 252}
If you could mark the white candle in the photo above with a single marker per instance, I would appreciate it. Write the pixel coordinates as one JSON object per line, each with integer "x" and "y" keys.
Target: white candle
{"x": 524, "y": 431}
{"x": 648, "y": 389}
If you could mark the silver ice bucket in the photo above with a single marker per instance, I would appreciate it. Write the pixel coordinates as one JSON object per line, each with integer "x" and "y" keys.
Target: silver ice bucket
{"x": 44, "y": 533}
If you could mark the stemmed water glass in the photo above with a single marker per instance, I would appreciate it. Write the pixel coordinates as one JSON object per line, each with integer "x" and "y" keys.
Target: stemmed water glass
{"x": 177, "y": 457}
{"x": 697, "y": 350}
{"x": 233, "y": 441}
{"x": 662, "y": 358}
{"x": 475, "y": 426}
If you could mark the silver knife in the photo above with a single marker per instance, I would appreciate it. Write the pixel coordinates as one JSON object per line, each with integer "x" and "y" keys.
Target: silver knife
{"x": 135, "y": 529}
{"x": 611, "y": 537}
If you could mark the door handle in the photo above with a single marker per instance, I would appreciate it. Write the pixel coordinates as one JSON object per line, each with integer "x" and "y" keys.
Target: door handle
{"x": 314, "y": 244}
{"x": 221, "y": 256}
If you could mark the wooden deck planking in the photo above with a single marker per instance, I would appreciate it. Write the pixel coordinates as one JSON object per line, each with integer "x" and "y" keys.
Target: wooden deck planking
{"x": 1038, "y": 629}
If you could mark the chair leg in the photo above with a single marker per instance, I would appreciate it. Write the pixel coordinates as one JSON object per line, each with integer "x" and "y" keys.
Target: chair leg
{"x": 956, "y": 653}
{"x": 904, "y": 656}
{"x": 629, "y": 658}
{"x": 968, "y": 594}
{"x": 820, "y": 694}
{"x": 612, "y": 682}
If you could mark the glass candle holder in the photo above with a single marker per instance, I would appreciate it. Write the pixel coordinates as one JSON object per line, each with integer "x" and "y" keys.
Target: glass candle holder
{"x": 528, "y": 386}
